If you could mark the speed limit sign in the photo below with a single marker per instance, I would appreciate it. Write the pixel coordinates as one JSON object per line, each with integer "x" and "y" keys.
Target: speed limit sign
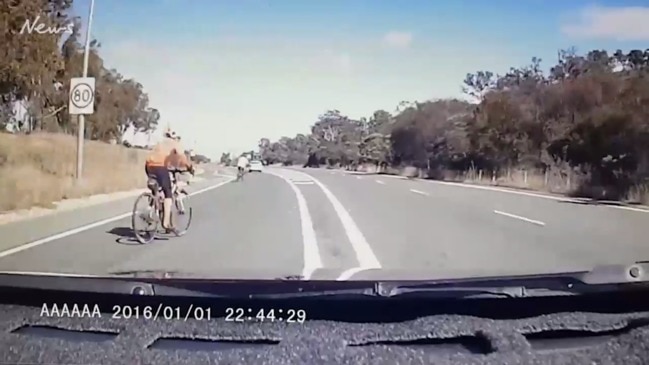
{"x": 82, "y": 95}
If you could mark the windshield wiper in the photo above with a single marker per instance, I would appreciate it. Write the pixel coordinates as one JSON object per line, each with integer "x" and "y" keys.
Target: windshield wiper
{"x": 373, "y": 289}
{"x": 174, "y": 284}
{"x": 428, "y": 290}
{"x": 435, "y": 290}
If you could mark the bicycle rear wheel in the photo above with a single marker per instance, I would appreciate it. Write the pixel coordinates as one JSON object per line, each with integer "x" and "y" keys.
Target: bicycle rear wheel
{"x": 144, "y": 211}
{"x": 181, "y": 214}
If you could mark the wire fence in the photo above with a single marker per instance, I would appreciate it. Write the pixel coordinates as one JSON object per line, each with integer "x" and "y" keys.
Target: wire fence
{"x": 552, "y": 180}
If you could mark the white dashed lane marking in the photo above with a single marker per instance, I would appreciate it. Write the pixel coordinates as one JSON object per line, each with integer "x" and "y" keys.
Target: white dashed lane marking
{"x": 539, "y": 223}
{"x": 419, "y": 192}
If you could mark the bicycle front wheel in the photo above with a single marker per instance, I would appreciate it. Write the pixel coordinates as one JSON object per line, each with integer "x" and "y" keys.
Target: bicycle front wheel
{"x": 181, "y": 214}
{"x": 144, "y": 213}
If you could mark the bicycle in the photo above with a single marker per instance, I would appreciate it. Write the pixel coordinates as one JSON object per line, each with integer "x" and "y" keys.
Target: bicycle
{"x": 240, "y": 173}
{"x": 153, "y": 213}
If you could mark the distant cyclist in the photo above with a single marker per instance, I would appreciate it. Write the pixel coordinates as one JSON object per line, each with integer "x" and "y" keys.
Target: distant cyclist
{"x": 242, "y": 164}
{"x": 167, "y": 154}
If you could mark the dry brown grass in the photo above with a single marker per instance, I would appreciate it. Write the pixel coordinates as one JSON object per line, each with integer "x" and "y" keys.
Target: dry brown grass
{"x": 639, "y": 194}
{"x": 552, "y": 182}
{"x": 519, "y": 179}
{"x": 39, "y": 169}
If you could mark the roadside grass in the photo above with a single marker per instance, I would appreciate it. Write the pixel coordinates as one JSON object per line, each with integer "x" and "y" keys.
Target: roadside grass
{"x": 639, "y": 194}
{"x": 552, "y": 182}
{"x": 39, "y": 169}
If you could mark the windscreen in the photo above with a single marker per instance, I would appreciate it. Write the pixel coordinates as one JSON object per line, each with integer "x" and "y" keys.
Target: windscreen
{"x": 418, "y": 140}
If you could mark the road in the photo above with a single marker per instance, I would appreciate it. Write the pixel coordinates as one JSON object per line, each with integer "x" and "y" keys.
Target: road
{"x": 325, "y": 224}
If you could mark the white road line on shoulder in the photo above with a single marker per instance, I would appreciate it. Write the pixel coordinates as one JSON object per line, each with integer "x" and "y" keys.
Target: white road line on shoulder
{"x": 347, "y": 274}
{"x": 364, "y": 254}
{"x": 519, "y": 217}
{"x": 312, "y": 260}
{"x": 499, "y": 189}
{"x": 60, "y": 274}
{"x": 303, "y": 182}
{"x": 86, "y": 227}
{"x": 419, "y": 192}
{"x": 531, "y": 194}
{"x": 380, "y": 182}
{"x": 628, "y": 208}
{"x": 518, "y": 192}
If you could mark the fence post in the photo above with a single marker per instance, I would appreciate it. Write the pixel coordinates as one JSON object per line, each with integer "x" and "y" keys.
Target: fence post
{"x": 525, "y": 177}
{"x": 493, "y": 176}
{"x": 480, "y": 175}
{"x": 546, "y": 178}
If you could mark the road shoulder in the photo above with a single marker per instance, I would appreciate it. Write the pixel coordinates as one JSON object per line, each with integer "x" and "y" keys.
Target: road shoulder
{"x": 21, "y": 232}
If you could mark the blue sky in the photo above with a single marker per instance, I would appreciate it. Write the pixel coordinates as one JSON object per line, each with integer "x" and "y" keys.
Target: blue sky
{"x": 226, "y": 73}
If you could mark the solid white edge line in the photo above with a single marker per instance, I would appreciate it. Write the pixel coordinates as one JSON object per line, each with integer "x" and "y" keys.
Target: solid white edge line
{"x": 347, "y": 274}
{"x": 499, "y": 189}
{"x": 627, "y": 208}
{"x": 380, "y": 182}
{"x": 312, "y": 260}
{"x": 513, "y": 191}
{"x": 419, "y": 192}
{"x": 531, "y": 194}
{"x": 364, "y": 254}
{"x": 86, "y": 227}
{"x": 40, "y": 273}
{"x": 519, "y": 217}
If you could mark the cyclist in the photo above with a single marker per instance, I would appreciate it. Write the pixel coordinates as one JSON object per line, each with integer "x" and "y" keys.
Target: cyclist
{"x": 167, "y": 154}
{"x": 242, "y": 163}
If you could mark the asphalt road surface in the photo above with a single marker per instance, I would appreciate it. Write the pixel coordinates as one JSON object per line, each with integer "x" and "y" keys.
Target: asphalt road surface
{"x": 324, "y": 224}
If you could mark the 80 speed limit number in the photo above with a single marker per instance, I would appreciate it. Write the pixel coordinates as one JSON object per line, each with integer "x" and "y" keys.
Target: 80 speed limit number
{"x": 162, "y": 312}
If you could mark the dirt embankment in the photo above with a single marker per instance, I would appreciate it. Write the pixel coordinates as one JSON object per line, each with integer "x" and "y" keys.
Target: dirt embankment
{"x": 39, "y": 169}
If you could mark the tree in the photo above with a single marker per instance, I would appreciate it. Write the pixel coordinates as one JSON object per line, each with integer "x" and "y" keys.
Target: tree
{"x": 36, "y": 68}
{"x": 587, "y": 117}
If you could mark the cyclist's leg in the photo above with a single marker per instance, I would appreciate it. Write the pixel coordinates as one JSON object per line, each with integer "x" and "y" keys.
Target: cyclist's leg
{"x": 174, "y": 183}
{"x": 167, "y": 190}
{"x": 164, "y": 180}
{"x": 151, "y": 175}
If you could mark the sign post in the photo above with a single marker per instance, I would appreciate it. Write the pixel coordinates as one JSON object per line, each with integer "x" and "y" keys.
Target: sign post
{"x": 81, "y": 102}
{"x": 82, "y": 95}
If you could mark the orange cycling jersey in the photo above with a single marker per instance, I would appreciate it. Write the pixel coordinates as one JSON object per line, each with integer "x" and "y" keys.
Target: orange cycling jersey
{"x": 167, "y": 153}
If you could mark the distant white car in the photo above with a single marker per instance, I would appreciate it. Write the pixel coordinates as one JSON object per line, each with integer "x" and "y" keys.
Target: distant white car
{"x": 256, "y": 166}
